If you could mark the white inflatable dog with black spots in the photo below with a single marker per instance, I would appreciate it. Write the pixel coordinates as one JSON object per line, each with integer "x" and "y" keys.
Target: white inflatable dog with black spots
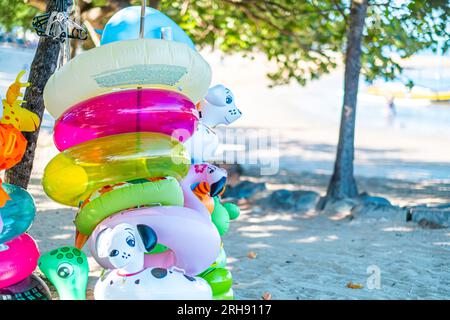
{"x": 218, "y": 107}
{"x": 125, "y": 246}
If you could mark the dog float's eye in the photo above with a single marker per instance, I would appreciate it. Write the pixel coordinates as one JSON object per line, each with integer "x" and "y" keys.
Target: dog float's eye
{"x": 65, "y": 270}
{"x": 114, "y": 253}
{"x": 229, "y": 100}
{"x": 131, "y": 242}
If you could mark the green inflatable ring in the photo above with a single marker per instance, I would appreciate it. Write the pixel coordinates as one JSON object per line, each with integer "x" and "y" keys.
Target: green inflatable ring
{"x": 166, "y": 192}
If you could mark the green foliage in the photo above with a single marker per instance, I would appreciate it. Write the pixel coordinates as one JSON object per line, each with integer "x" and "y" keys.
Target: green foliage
{"x": 296, "y": 35}
{"x": 405, "y": 29}
{"x": 304, "y": 38}
{"x": 16, "y": 13}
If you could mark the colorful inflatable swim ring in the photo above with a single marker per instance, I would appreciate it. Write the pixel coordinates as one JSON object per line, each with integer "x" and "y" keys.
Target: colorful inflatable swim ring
{"x": 31, "y": 288}
{"x": 131, "y": 64}
{"x": 192, "y": 238}
{"x": 75, "y": 173}
{"x": 146, "y": 110}
{"x": 18, "y": 261}
{"x": 125, "y": 195}
{"x": 68, "y": 270}
{"x": 12, "y": 146}
{"x": 125, "y": 24}
{"x": 17, "y": 214}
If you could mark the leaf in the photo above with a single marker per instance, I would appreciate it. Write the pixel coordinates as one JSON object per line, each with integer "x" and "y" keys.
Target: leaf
{"x": 352, "y": 285}
{"x": 267, "y": 296}
{"x": 251, "y": 255}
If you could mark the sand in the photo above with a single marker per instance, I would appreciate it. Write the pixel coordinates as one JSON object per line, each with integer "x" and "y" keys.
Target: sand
{"x": 305, "y": 255}
{"x": 313, "y": 255}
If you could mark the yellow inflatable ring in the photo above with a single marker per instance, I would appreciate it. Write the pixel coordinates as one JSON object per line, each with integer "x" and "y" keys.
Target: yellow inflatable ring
{"x": 75, "y": 173}
{"x": 145, "y": 63}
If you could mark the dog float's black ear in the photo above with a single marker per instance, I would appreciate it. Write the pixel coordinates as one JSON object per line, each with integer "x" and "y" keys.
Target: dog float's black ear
{"x": 148, "y": 236}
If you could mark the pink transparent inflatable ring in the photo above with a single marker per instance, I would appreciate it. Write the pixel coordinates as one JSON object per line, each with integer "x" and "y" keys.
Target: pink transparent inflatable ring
{"x": 18, "y": 261}
{"x": 137, "y": 110}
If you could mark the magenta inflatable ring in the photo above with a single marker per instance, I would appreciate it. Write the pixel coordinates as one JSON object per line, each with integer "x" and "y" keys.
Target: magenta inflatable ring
{"x": 18, "y": 259}
{"x": 137, "y": 110}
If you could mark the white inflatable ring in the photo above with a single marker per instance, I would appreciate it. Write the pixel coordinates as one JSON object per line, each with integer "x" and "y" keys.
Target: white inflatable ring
{"x": 145, "y": 63}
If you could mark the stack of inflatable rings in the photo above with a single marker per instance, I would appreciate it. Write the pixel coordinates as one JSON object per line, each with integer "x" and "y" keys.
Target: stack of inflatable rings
{"x": 123, "y": 110}
{"x": 18, "y": 251}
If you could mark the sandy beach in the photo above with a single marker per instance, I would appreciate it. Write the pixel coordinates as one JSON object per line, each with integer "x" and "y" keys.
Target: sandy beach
{"x": 313, "y": 255}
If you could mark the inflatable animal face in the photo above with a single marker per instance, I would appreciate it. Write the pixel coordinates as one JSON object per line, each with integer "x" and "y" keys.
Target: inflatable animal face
{"x": 218, "y": 107}
{"x": 125, "y": 245}
{"x": 68, "y": 270}
{"x": 216, "y": 177}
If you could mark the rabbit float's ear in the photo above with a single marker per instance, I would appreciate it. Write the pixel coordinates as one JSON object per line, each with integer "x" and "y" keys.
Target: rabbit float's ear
{"x": 148, "y": 236}
{"x": 217, "y": 95}
{"x": 102, "y": 243}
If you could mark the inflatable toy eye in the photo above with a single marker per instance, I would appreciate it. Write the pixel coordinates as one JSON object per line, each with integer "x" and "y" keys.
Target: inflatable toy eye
{"x": 131, "y": 242}
{"x": 65, "y": 270}
{"x": 229, "y": 100}
{"x": 114, "y": 252}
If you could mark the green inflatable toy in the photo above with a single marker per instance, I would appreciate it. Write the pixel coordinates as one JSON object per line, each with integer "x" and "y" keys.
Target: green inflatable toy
{"x": 222, "y": 215}
{"x": 68, "y": 270}
{"x": 233, "y": 210}
{"x": 217, "y": 276}
{"x": 220, "y": 280}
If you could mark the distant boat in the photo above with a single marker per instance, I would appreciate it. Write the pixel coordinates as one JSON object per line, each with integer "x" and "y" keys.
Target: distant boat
{"x": 430, "y": 74}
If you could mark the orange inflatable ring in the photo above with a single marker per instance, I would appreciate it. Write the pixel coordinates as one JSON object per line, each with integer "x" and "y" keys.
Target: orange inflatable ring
{"x": 12, "y": 146}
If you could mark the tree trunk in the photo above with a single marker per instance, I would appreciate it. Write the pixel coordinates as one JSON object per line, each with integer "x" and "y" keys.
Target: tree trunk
{"x": 154, "y": 3}
{"x": 342, "y": 184}
{"x": 43, "y": 66}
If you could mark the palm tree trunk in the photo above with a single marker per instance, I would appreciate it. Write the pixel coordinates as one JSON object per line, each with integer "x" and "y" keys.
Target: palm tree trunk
{"x": 43, "y": 66}
{"x": 342, "y": 184}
